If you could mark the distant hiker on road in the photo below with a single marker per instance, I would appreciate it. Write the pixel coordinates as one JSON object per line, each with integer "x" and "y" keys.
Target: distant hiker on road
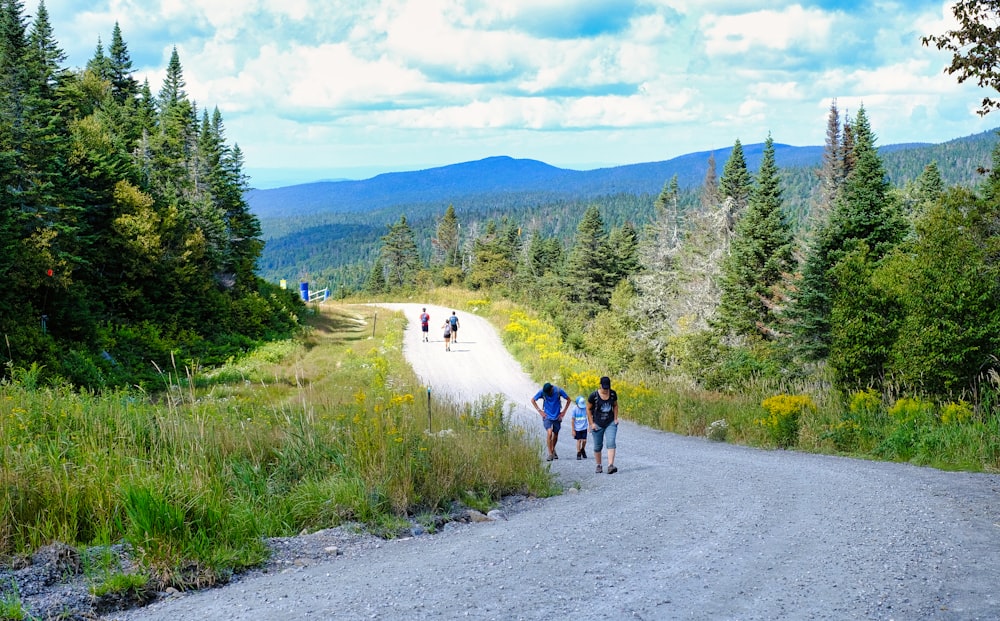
{"x": 425, "y": 321}
{"x": 552, "y": 412}
{"x": 453, "y": 320}
{"x": 579, "y": 416}
{"x": 602, "y": 413}
{"x": 447, "y": 335}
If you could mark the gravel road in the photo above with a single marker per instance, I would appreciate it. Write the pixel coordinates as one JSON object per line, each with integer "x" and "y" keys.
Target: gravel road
{"x": 687, "y": 529}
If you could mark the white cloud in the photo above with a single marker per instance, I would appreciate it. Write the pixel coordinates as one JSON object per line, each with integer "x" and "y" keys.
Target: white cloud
{"x": 774, "y": 30}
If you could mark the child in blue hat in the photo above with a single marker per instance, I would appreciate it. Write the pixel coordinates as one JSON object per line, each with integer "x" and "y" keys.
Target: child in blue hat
{"x": 580, "y": 427}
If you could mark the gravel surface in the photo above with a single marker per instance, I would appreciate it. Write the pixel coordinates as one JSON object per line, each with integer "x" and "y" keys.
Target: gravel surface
{"x": 687, "y": 529}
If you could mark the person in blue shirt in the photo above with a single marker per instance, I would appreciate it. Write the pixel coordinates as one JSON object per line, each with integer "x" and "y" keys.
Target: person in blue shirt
{"x": 580, "y": 425}
{"x": 552, "y": 413}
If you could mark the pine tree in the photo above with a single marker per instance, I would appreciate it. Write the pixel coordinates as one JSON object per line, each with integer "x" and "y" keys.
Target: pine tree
{"x": 399, "y": 255}
{"x": 623, "y": 253}
{"x": 864, "y": 213}
{"x": 589, "y": 264}
{"x": 493, "y": 262}
{"x": 124, "y": 87}
{"x": 447, "y": 245}
{"x": 376, "y": 282}
{"x": 99, "y": 63}
{"x": 735, "y": 184}
{"x": 759, "y": 258}
{"x": 929, "y": 184}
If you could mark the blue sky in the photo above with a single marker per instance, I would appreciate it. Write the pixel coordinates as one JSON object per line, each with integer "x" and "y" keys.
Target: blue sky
{"x": 320, "y": 89}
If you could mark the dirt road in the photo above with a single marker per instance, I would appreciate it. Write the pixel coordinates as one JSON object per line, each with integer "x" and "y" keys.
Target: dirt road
{"x": 687, "y": 529}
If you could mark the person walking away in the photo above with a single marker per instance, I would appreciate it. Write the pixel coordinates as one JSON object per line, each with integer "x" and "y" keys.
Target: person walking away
{"x": 447, "y": 335}
{"x": 602, "y": 414}
{"x": 552, "y": 413}
{"x": 425, "y": 321}
{"x": 454, "y": 327}
{"x": 580, "y": 424}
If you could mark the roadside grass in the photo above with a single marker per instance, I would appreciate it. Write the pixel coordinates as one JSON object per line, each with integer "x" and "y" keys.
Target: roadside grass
{"x": 948, "y": 436}
{"x": 302, "y": 434}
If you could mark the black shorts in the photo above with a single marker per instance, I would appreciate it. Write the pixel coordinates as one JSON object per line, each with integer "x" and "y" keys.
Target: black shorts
{"x": 580, "y": 434}
{"x": 424, "y": 327}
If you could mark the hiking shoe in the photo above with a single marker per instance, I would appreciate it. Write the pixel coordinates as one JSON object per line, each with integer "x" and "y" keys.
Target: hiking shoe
{"x": 612, "y": 469}
{"x": 583, "y": 454}
{"x": 548, "y": 458}
{"x": 554, "y": 456}
{"x": 599, "y": 470}
{"x": 579, "y": 455}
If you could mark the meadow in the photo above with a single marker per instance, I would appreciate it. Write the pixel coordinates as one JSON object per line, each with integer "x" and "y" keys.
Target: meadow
{"x": 309, "y": 433}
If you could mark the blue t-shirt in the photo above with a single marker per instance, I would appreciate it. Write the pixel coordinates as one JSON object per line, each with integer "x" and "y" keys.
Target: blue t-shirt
{"x": 579, "y": 417}
{"x": 552, "y": 405}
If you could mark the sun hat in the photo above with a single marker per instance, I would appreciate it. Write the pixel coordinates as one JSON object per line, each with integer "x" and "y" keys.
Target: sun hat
{"x": 581, "y": 402}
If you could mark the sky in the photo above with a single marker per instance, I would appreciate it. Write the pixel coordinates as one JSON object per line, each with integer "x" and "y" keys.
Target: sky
{"x": 330, "y": 89}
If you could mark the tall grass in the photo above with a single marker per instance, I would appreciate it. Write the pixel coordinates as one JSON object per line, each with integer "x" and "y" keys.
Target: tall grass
{"x": 305, "y": 434}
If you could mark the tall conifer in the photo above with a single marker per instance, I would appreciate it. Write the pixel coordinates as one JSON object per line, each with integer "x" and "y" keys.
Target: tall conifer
{"x": 759, "y": 258}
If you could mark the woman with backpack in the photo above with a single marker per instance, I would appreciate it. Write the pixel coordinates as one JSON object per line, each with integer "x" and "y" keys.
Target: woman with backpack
{"x": 447, "y": 335}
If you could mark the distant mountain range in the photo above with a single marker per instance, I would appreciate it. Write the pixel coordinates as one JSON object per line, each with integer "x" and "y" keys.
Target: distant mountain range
{"x": 460, "y": 182}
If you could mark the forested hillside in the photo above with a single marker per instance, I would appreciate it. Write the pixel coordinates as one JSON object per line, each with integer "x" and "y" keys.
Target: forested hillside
{"x": 328, "y": 233}
{"x": 852, "y": 274}
{"x": 125, "y": 240}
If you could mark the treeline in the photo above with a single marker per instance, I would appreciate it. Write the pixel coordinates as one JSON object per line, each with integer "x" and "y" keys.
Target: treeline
{"x": 336, "y": 248}
{"x": 125, "y": 241}
{"x": 895, "y": 289}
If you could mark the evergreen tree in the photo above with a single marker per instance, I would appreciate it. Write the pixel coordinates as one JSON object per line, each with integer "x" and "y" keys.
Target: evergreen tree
{"x": 99, "y": 64}
{"x": 589, "y": 264}
{"x": 493, "y": 260}
{"x": 668, "y": 221}
{"x": 376, "y": 282}
{"x": 735, "y": 184}
{"x": 124, "y": 87}
{"x": 946, "y": 279}
{"x": 930, "y": 186}
{"x": 710, "y": 196}
{"x": 864, "y": 213}
{"x": 447, "y": 244}
{"x": 399, "y": 255}
{"x": 831, "y": 172}
{"x": 864, "y": 319}
{"x": 759, "y": 258}
{"x": 545, "y": 255}
{"x": 623, "y": 253}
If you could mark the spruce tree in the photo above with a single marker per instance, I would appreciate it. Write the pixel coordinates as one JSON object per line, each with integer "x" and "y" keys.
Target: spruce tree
{"x": 399, "y": 255}
{"x": 865, "y": 213}
{"x": 623, "y": 253}
{"x": 760, "y": 257}
{"x": 589, "y": 264}
{"x": 124, "y": 87}
{"x": 447, "y": 243}
{"x": 735, "y": 184}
